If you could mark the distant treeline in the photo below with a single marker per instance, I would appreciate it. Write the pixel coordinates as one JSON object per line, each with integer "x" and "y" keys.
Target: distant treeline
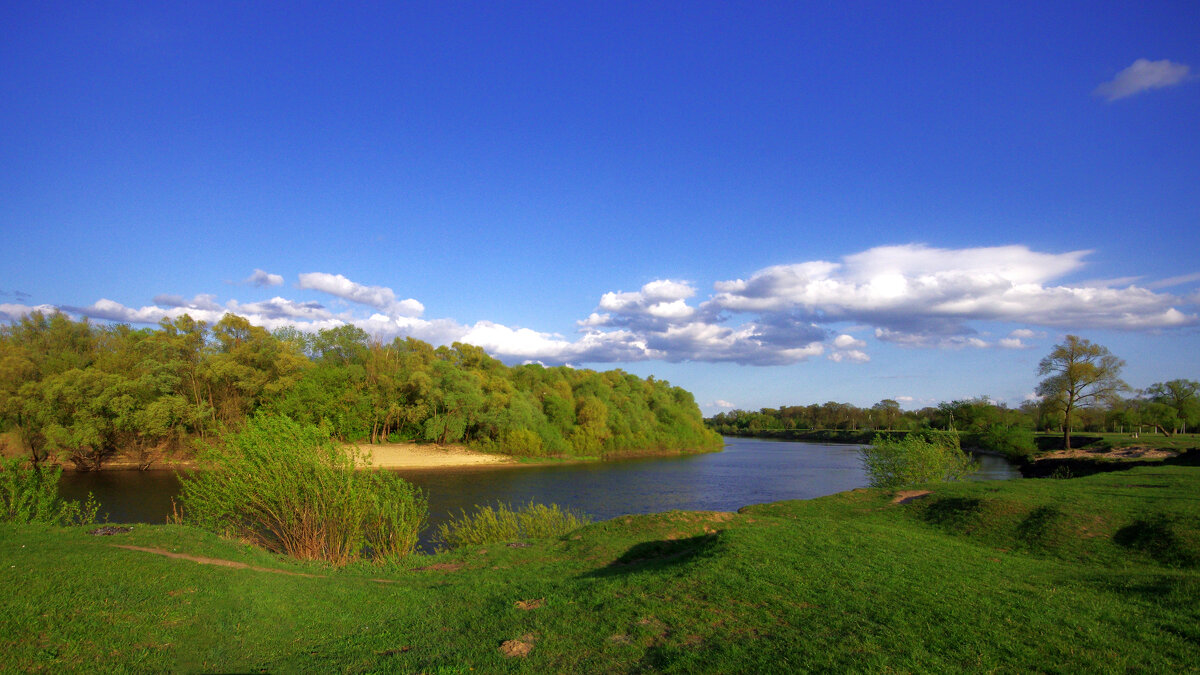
{"x": 1168, "y": 407}
{"x": 81, "y": 392}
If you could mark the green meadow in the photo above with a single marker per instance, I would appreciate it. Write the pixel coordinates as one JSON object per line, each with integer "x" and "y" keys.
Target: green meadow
{"x": 1093, "y": 574}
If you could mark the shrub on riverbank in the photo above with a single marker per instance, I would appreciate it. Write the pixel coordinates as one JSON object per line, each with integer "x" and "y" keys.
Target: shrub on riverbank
{"x": 915, "y": 458}
{"x": 486, "y": 525}
{"x": 289, "y": 488}
{"x": 29, "y": 494}
{"x": 1015, "y": 443}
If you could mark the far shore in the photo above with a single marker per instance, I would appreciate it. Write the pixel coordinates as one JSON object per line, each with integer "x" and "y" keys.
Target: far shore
{"x": 382, "y": 456}
{"x": 424, "y": 456}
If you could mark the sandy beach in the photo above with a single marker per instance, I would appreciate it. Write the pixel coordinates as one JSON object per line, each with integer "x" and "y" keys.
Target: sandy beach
{"x": 414, "y": 456}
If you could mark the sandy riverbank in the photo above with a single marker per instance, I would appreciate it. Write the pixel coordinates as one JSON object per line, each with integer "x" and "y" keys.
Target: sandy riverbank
{"x": 418, "y": 456}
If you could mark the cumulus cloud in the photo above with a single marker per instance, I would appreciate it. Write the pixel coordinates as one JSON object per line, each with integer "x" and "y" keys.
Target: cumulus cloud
{"x": 912, "y": 296}
{"x": 1142, "y": 76}
{"x": 14, "y": 311}
{"x": 260, "y": 278}
{"x": 721, "y": 403}
{"x": 850, "y": 356}
{"x": 379, "y": 297}
{"x": 848, "y": 342}
{"x": 922, "y": 296}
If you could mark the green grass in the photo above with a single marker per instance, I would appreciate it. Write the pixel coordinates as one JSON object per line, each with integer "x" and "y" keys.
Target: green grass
{"x": 1095, "y": 574}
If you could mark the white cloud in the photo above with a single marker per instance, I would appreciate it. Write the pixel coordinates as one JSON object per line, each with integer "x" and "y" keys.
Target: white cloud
{"x": 379, "y": 297}
{"x": 850, "y": 356}
{"x": 1174, "y": 281}
{"x": 721, "y": 403}
{"x": 848, "y": 342}
{"x": 918, "y": 295}
{"x": 912, "y": 296}
{"x": 1143, "y": 75}
{"x": 260, "y": 278}
{"x": 14, "y": 311}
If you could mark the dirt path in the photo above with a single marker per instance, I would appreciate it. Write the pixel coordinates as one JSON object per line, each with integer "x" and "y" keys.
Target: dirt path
{"x": 215, "y": 561}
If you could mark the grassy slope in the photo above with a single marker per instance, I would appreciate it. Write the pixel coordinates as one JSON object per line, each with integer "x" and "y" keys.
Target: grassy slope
{"x": 1092, "y": 574}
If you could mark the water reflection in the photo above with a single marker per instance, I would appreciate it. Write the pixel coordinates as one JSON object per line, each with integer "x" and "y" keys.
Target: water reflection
{"x": 749, "y": 471}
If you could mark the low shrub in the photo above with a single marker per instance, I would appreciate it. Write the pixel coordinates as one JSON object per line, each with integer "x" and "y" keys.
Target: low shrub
{"x": 29, "y": 494}
{"x": 915, "y": 458}
{"x": 487, "y": 524}
{"x": 289, "y": 488}
{"x": 1015, "y": 443}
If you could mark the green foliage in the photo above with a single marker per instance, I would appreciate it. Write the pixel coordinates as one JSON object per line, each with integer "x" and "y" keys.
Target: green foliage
{"x": 1015, "y": 443}
{"x": 81, "y": 393}
{"x": 503, "y": 523}
{"x": 914, "y": 459}
{"x": 1079, "y": 373}
{"x": 29, "y": 494}
{"x": 289, "y": 488}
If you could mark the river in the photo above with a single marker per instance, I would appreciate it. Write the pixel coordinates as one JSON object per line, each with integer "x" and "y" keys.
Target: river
{"x": 748, "y": 471}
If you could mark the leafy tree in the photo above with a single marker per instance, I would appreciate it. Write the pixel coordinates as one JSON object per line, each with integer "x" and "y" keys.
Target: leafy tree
{"x": 1182, "y": 396}
{"x": 1078, "y": 373}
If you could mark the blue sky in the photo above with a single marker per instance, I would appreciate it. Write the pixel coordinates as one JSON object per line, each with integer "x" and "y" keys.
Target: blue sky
{"x": 765, "y": 203}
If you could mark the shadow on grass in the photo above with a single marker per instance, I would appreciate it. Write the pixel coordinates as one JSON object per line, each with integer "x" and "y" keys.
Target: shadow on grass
{"x": 953, "y": 513}
{"x": 1169, "y": 539}
{"x": 657, "y": 555}
{"x": 1041, "y": 527}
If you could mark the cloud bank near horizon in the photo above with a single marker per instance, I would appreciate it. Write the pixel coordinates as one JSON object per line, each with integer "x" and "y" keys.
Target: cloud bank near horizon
{"x": 909, "y": 295}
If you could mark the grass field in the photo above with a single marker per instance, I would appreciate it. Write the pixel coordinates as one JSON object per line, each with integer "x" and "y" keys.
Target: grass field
{"x": 1095, "y": 574}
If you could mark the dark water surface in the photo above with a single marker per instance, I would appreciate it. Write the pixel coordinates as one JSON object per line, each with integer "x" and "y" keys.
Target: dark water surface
{"x": 748, "y": 471}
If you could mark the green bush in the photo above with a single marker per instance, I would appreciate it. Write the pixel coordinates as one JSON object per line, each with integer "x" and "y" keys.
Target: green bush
{"x": 1015, "y": 443}
{"x": 29, "y": 494}
{"x": 522, "y": 442}
{"x": 289, "y": 488}
{"x": 486, "y": 525}
{"x": 915, "y": 458}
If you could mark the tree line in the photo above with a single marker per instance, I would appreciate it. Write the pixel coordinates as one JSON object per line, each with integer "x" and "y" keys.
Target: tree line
{"x": 1081, "y": 391}
{"x": 81, "y": 392}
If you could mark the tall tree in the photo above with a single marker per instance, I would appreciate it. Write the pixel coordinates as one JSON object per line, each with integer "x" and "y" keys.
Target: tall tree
{"x": 1079, "y": 373}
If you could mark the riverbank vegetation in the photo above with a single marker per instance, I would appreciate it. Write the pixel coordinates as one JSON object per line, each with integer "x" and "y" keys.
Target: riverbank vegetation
{"x": 917, "y": 457}
{"x": 78, "y": 393}
{"x": 1081, "y": 392}
{"x": 1092, "y": 574}
{"x": 486, "y": 524}
{"x": 288, "y": 488}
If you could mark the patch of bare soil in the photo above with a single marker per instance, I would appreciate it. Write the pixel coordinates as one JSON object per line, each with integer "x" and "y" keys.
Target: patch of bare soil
{"x": 906, "y": 496}
{"x": 530, "y": 604}
{"x": 518, "y": 648}
{"x": 1131, "y": 452}
{"x": 425, "y": 456}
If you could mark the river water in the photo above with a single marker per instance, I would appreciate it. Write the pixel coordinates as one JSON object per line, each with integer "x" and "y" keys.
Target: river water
{"x": 748, "y": 471}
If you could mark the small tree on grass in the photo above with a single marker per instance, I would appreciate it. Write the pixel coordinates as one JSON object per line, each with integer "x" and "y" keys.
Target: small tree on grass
{"x": 289, "y": 488}
{"x": 915, "y": 458}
